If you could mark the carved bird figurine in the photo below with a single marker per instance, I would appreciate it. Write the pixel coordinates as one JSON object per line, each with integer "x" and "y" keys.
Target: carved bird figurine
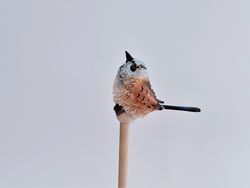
{"x": 133, "y": 94}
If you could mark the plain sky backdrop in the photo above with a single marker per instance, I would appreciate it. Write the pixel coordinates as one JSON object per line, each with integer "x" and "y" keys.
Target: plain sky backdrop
{"x": 58, "y": 60}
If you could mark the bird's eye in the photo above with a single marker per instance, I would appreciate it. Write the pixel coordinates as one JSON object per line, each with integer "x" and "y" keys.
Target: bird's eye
{"x": 133, "y": 68}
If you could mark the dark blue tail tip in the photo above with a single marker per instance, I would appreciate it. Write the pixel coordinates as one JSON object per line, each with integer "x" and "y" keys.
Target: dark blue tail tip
{"x": 197, "y": 109}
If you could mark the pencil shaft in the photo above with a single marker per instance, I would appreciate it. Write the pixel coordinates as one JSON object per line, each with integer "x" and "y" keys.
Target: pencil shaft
{"x": 123, "y": 155}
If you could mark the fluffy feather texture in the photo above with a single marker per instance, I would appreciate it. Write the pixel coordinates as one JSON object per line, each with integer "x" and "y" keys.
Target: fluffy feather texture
{"x": 132, "y": 91}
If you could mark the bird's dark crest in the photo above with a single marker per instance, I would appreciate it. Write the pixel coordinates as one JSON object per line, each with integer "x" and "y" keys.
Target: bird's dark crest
{"x": 128, "y": 57}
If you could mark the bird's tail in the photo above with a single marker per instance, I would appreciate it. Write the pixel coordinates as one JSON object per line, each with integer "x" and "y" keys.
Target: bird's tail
{"x": 182, "y": 108}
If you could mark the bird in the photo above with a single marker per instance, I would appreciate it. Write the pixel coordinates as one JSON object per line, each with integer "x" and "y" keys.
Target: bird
{"x": 133, "y": 94}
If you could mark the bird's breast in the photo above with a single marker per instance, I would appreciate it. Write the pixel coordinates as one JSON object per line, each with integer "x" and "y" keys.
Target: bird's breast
{"x": 137, "y": 98}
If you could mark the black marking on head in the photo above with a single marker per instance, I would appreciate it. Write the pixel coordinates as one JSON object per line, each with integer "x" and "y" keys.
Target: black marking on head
{"x": 141, "y": 88}
{"x": 120, "y": 69}
{"x": 128, "y": 57}
{"x": 143, "y": 98}
{"x": 138, "y": 95}
{"x": 121, "y": 76}
{"x": 133, "y": 67}
{"x": 149, "y": 106}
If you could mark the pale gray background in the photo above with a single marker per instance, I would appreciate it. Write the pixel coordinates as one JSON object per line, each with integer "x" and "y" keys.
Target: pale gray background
{"x": 58, "y": 60}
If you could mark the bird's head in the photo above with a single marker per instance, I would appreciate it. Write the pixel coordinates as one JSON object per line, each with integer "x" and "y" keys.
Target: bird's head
{"x": 134, "y": 68}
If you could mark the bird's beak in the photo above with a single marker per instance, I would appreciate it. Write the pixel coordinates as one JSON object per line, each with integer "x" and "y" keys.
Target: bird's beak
{"x": 141, "y": 67}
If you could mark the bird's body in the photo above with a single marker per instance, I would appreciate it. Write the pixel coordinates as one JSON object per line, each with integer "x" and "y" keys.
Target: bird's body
{"x": 135, "y": 96}
{"x": 132, "y": 90}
